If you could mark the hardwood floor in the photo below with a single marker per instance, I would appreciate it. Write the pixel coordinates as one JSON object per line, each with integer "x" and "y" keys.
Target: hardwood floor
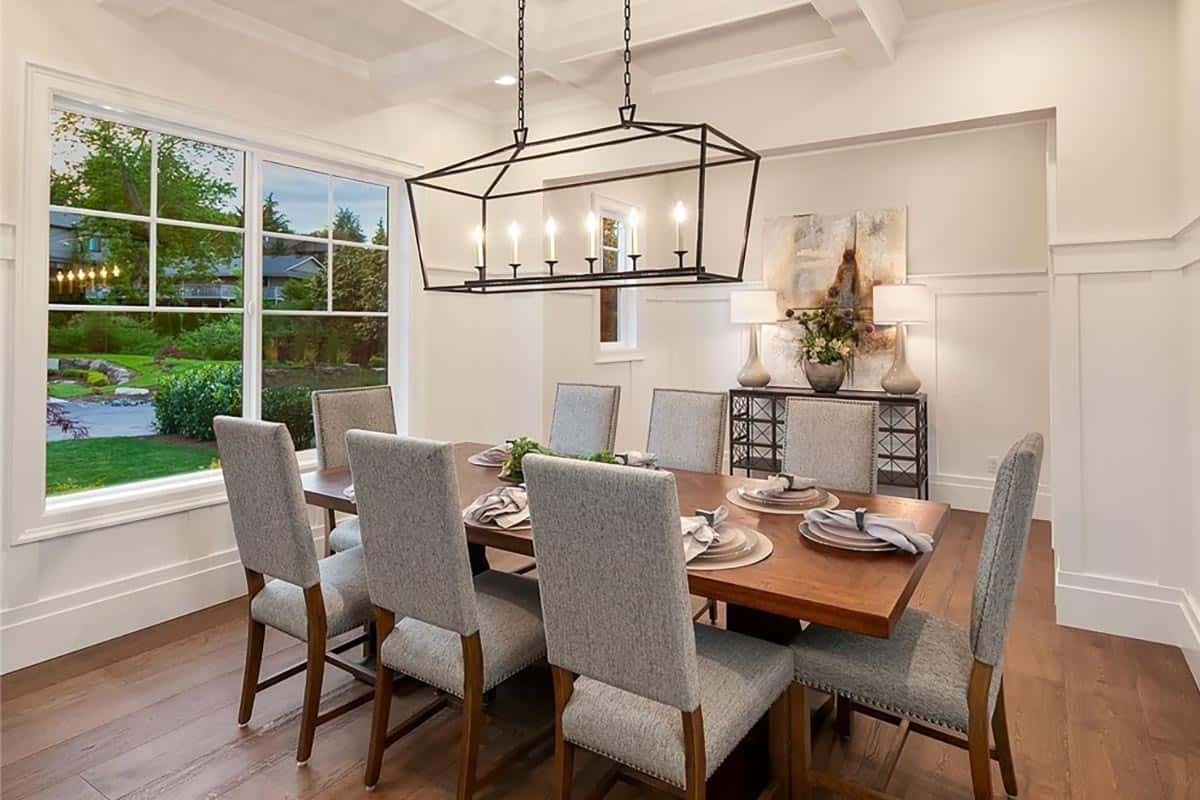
{"x": 153, "y": 715}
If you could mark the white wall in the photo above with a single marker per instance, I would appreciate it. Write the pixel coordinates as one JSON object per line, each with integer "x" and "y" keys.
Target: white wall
{"x": 1187, "y": 34}
{"x": 65, "y": 593}
{"x": 977, "y": 235}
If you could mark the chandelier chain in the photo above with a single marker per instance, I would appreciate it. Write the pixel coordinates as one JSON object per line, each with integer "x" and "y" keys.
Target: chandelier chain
{"x": 628, "y": 55}
{"x": 520, "y": 64}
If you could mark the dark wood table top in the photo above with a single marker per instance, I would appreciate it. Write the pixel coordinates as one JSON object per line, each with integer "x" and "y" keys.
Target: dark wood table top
{"x": 864, "y": 593}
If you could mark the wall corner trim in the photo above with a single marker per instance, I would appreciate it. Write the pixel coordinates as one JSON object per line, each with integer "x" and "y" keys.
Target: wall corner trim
{"x": 1125, "y": 607}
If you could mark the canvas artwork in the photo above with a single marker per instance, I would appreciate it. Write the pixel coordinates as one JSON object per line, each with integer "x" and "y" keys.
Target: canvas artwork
{"x": 808, "y": 258}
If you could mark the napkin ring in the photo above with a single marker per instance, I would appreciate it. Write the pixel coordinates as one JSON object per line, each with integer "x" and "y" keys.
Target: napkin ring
{"x": 860, "y": 519}
{"x": 710, "y": 517}
{"x": 790, "y": 478}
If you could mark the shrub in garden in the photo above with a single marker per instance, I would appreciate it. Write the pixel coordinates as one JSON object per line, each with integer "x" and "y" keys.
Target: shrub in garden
{"x": 104, "y": 333}
{"x": 96, "y": 379}
{"x": 187, "y": 401}
{"x": 215, "y": 341}
{"x": 291, "y": 405}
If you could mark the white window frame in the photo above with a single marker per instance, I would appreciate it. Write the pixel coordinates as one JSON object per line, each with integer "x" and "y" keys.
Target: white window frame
{"x": 28, "y": 515}
{"x": 629, "y": 299}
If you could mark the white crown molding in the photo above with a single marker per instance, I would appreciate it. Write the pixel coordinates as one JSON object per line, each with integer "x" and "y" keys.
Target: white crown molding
{"x": 982, "y": 17}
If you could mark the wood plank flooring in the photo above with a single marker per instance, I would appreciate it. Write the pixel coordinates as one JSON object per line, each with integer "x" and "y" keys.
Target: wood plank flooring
{"x": 152, "y": 715}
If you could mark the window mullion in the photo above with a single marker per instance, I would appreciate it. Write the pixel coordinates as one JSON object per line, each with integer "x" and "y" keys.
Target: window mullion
{"x": 252, "y": 329}
{"x": 329, "y": 245}
{"x": 152, "y": 245}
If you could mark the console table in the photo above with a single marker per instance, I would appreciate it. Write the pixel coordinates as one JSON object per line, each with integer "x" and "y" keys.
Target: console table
{"x": 758, "y": 422}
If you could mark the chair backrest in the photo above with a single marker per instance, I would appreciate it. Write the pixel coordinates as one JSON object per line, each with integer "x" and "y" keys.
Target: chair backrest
{"x": 608, "y": 537}
{"x": 412, "y": 529}
{"x": 687, "y": 429}
{"x": 336, "y": 411}
{"x": 1003, "y": 552}
{"x": 585, "y": 418}
{"x": 835, "y": 442}
{"x": 266, "y": 499}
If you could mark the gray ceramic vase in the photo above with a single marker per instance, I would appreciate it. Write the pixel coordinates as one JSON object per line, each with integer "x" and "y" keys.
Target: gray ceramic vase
{"x": 825, "y": 378}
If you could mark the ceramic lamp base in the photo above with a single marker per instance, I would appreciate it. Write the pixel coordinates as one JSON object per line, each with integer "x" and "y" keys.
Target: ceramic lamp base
{"x": 900, "y": 379}
{"x": 753, "y": 373}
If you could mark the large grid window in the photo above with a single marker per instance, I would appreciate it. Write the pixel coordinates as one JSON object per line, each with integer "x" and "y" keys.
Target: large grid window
{"x": 150, "y": 331}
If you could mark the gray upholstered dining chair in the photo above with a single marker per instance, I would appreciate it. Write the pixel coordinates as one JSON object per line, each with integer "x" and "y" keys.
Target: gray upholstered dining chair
{"x": 835, "y": 442}
{"x": 336, "y": 411}
{"x": 933, "y": 676}
{"x": 309, "y": 599}
{"x": 642, "y": 685}
{"x": 460, "y": 634}
{"x": 687, "y": 429}
{"x": 585, "y": 418}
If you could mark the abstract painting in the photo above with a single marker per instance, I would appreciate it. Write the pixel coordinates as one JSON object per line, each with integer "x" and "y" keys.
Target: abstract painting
{"x": 809, "y": 258}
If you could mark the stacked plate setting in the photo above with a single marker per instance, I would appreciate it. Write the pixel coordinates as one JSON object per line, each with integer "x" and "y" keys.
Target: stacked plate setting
{"x": 493, "y": 457}
{"x": 734, "y": 542}
{"x": 843, "y": 538}
{"x": 789, "y": 500}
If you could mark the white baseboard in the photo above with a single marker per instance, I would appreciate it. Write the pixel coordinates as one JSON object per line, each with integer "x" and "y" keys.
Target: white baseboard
{"x": 1122, "y": 607}
{"x": 62, "y": 624}
{"x": 974, "y": 493}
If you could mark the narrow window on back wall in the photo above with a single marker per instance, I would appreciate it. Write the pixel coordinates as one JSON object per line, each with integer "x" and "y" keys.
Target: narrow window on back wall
{"x": 145, "y": 289}
{"x": 611, "y": 250}
{"x": 616, "y": 317}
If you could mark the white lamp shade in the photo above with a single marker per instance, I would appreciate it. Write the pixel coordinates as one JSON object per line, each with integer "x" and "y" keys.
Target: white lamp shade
{"x": 903, "y": 303}
{"x": 753, "y": 307}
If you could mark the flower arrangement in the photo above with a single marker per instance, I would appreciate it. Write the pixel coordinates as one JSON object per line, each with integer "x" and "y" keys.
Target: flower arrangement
{"x": 830, "y": 333}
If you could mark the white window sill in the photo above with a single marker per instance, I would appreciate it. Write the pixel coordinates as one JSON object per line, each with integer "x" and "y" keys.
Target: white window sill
{"x": 617, "y": 356}
{"x": 135, "y": 502}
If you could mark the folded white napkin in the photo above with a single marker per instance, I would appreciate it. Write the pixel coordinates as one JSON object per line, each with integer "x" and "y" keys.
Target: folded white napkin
{"x": 701, "y": 531}
{"x": 504, "y": 507}
{"x": 496, "y": 455}
{"x": 785, "y": 482}
{"x": 895, "y": 530}
{"x": 349, "y": 491}
{"x": 636, "y": 458}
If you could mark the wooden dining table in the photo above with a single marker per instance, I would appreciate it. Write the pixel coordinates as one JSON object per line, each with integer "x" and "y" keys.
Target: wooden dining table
{"x": 801, "y": 580}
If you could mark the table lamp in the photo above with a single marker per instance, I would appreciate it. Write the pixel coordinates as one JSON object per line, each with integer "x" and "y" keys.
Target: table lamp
{"x": 753, "y": 308}
{"x": 902, "y": 304}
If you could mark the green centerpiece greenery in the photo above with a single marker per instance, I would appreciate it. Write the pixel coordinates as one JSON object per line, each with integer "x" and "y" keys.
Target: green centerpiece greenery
{"x": 830, "y": 334}
{"x": 511, "y": 471}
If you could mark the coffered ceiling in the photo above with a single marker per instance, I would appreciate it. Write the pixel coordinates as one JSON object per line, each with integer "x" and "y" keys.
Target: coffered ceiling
{"x": 454, "y": 50}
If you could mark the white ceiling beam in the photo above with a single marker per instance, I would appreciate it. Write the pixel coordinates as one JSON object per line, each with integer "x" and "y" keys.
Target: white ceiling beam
{"x": 807, "y": 53}
{"x": 868, "y": 29}
{"x": 437, "y": 69}
{"x": 141, "y": 8}
{"x": 579, "y": 33}
{"x": 495, "y": 27}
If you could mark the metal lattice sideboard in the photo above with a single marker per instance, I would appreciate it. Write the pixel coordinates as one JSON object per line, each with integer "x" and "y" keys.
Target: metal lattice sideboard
{"x": 758, "y": 422}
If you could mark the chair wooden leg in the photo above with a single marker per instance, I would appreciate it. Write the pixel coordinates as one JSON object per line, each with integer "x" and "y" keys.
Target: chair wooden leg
{"x": 1003, "y": 747}
{"x": 844, "y": 722}
{"x": 564, "y": 751}
{"x": 801, "y": 743}
{"x": 385, "y": 621}
{"x": 254, "y": 649}
{"x": 315, "y": 671}
{"x": 712, "y": 612}
{"x": 472, "y": 715}
{"x": 254, "y": 656}
{"x": 779, "y": 720}
{"x": 695, "y": 769}
{"x": 978, "y": 747}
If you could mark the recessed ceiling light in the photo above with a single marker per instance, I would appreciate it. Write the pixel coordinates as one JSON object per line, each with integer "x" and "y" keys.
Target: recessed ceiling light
{"x": 506, "y": 80}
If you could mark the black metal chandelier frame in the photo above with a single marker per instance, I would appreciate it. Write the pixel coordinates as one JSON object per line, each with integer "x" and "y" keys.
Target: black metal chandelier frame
{"x": 714, "y": 149}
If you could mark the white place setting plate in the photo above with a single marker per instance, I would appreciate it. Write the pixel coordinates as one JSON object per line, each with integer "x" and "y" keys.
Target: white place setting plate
{"x": 759, "y": 547}
{"x": 862, "y": 543}
{"x": 736, "y": 497}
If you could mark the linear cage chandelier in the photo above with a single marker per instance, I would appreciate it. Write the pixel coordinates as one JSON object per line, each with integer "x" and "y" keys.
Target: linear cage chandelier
{"x": 671, "y": 167}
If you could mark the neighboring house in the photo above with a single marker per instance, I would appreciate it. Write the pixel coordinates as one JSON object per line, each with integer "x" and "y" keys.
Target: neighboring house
{"x": 69, "y": 255}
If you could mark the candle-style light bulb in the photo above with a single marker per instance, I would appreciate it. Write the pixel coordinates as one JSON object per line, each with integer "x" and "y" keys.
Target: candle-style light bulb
{"x": 633, "y": 232}
{"x": 59, "y": 277}
{"x": 103, "y": 273}
{"x": 551, "y": 232}
{"x": 92, "y": 274}
{"x": 680, "y": 215}
{"x": 514, "y": 233}
{"x": 477, "y": 237}
{"x": 71, "y": 275}
{"x": 116, "y": 271}
{"x": 590, "y": 224}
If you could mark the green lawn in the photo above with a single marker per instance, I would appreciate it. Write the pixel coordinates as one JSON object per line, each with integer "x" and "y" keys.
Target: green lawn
{"x": 149, "y": 372}
{"x": 73, "y": 465}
